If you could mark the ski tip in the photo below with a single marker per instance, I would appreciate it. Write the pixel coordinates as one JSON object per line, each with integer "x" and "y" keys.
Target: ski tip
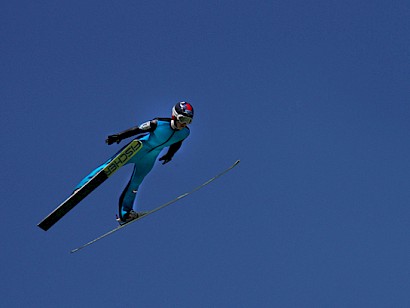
{"x": 237, "y": 162}
{"x": 43, "y": 226}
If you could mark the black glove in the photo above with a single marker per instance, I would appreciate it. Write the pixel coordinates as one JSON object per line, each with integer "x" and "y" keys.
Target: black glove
{"x": 113, "y": 138}
{"x": 166, "y": 159}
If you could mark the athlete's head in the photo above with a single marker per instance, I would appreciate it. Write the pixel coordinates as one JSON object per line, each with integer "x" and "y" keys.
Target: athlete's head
{"x": 182, "y": 114}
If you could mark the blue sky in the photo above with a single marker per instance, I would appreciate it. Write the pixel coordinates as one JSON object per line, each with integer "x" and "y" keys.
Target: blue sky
{"x": 313, "y": 97}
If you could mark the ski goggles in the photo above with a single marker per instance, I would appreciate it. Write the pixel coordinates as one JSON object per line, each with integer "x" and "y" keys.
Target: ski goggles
{"x": 184, "y": 119}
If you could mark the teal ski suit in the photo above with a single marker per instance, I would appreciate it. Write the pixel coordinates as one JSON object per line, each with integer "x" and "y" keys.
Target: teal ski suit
{"x": 155, "y": 135}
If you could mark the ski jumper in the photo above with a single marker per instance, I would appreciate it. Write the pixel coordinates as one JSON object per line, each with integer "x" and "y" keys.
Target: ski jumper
{"x": 155, "y": 135}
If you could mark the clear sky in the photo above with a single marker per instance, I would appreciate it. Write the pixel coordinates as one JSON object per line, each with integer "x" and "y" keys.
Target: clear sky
{"x": 312, "y": 96}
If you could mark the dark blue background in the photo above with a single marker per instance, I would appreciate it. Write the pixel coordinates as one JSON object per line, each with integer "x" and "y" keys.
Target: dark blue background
{"x": 312, "y": 96}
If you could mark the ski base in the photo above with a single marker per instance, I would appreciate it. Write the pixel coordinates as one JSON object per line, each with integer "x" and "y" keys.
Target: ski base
{"x": 156, "y": 209}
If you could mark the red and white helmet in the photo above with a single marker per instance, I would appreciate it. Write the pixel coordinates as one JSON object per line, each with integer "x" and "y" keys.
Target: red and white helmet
{"x": 183, "y": 112}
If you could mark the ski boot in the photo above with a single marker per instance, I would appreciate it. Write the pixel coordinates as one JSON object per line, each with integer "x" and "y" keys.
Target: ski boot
{"x": 131, "y": 215}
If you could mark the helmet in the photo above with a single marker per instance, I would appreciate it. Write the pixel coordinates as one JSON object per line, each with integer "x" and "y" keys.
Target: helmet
{"x": 183, "y": 112}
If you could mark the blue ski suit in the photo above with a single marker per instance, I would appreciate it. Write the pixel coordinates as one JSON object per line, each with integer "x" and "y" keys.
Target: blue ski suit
{"x": 155, "y": 135}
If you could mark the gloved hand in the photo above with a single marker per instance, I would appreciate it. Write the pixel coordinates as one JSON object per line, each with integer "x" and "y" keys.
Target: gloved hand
{"x": 166, "y": 159}
{"x": 113, "y": 138}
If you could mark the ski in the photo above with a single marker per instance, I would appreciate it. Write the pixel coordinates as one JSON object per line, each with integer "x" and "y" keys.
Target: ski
{"x": 157, "y": 208}
{"x": 116, "y": 163}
